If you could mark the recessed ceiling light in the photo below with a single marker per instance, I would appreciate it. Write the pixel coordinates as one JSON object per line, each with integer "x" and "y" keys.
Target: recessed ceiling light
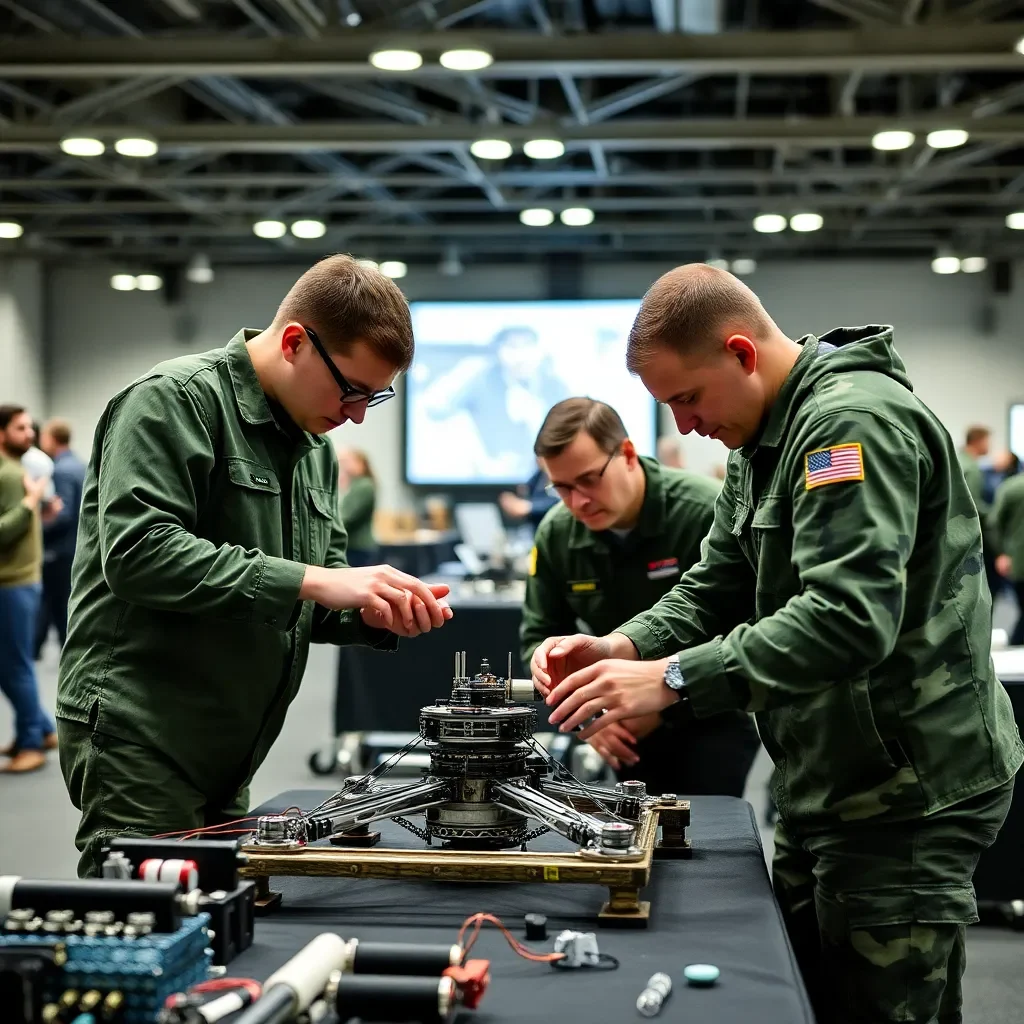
{"x": 11, "y": 229}
{"x": 973, "y": 264}
{"x": 1015, "y": 220}
{"x": 806, "y": 221}
{"x": 269, "y": 228}
{"x": 946, "y": 265}
{"x": 577, "y": 216}
{"x": 149, "y": 282}
{"x": 369, "y": 264}
{"x": 543, "y": 149}
{"x": 1020, "y": 45}
{"x": 466, "y": 60}
{"x": 393, "y": 268}
{"x": 491, "y": 149}
{"x": 744, "y": 265}
{"x": 537, "y": 217}
{"x": 947, "y": 138}
{"x": 718, "y": 263}
{"x": 82, "y": 145}
{"x": 396, "y": 60}
{"x": 769, "y": 223}
{"x": 893, "y": 139}
{"x": 309, "y": 229}
{"x": 123, "y": 282}
{"x": 199, "y": 270}
{"x": 353, "y": 19}
{"x": 137, "y": 146}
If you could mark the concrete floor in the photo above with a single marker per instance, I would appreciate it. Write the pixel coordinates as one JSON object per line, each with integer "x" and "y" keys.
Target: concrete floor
{"x": 37, "y": 825}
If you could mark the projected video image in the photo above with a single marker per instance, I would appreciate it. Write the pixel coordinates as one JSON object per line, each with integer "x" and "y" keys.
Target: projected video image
{"x": 486, "y": 374}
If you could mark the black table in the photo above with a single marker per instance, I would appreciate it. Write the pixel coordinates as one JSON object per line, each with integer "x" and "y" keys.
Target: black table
{"x": 384, "y": 692}
{"x": 716, "y": 908}
{"x": 1000, "y": 875}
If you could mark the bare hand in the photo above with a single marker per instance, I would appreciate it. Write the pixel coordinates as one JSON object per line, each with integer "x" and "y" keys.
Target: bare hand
{"x": 34, "y": 490}
{"x": 615, "y": 744}
{"x": 419, "y": 610}
{"x": 379, "y": 589}
{"x": 560, "y": 656}
{"x": 1004, "y": 565}
{"x": 619, "y": 689}
{"x": 52, "y": 509}
{"x": 513, "y": 506}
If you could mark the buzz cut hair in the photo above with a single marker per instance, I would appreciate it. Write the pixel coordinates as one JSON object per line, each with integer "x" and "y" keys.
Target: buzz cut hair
{"x": 690, "y": 310}
{"x": 345, "y": 302}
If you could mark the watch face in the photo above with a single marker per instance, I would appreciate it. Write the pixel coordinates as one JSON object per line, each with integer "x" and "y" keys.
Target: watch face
{"x": 673, "y": 675}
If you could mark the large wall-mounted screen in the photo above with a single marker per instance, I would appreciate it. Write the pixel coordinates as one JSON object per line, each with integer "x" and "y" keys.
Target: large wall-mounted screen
{"x": 486, "y": 374}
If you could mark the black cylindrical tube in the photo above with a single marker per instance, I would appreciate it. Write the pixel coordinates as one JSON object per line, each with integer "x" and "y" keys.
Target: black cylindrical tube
{"x": 83, "y": 895}
{"x": 405, "y": 958}
{"x": 276, "y": 1006}
{"x": 379, "y": 997}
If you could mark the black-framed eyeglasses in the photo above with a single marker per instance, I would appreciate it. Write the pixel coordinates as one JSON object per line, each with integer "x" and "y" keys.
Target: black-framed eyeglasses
{"x": 564, "y": 490}
{"x": 349, "y": 393}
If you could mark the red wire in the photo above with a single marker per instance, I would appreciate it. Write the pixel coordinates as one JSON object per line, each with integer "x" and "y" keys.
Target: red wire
{"x": 222, "y": 824}
{"x": 254, "y": 988}
{"x": 478, "y": 920}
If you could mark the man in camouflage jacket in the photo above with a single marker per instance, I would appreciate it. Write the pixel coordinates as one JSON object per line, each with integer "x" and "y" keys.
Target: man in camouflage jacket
{"x": 840, "y": 597}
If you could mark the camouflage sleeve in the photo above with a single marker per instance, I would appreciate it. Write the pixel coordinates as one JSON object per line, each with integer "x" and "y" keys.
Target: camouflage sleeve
{"x": 851, "y": 542}
{"x": 711, "y": 598}
{"x": 546, "y": 612}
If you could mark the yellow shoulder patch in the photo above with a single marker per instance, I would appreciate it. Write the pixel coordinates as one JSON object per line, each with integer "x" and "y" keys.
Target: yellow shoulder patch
{"x": 532, "y": 562}
{"x": 833, "y": 465}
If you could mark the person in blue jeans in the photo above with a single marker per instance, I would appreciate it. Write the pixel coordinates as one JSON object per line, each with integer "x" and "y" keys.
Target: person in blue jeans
{"x": 22, "y": 511}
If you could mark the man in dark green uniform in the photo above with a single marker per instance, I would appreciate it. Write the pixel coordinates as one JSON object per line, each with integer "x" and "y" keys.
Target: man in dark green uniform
{"x": 211, "y": 554}
{"x": 841, "y": 597}
{"x": 625, "y": 530}
{"x": 1007, "y": 524}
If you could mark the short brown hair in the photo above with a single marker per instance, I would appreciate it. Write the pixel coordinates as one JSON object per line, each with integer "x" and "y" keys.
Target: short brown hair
{"x": 686, "y": 310}
{"x": 59, "y": 430}
{"x": 7, "y": 413}
{"x": 345, "y": 302}
{"x": 568, "y": 418}
{"x": 977, "y": 433}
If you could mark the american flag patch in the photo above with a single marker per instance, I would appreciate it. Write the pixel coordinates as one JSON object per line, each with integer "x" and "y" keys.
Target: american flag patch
{"x": 833, "y": 465}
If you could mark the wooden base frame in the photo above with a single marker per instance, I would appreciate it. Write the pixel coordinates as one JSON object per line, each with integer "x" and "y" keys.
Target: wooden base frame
{"x": 623, "y": 877}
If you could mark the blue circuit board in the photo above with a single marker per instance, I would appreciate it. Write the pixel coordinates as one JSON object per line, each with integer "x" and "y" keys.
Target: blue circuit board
{"x": 146, "y": 969}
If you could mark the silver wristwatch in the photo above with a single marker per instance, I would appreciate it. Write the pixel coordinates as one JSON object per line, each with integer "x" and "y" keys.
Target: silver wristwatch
{"x": 673, "y": 677}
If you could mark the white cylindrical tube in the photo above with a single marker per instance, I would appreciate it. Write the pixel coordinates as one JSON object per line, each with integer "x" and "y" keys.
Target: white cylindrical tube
{"x": 7, "y": 884}
{"x": 308, "y": 972}
{"x": 522, "y": 690}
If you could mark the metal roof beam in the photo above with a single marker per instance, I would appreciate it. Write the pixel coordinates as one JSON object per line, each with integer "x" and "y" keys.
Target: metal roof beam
{"x": 893, "y": 49}
{"x": 666, "y": 134}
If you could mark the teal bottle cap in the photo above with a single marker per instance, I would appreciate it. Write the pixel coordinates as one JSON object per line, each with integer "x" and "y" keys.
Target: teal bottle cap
{"x": 701, "y": 974}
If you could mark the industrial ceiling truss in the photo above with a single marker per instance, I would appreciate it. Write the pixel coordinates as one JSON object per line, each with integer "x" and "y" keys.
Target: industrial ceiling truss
{"x": 153, "y": 130}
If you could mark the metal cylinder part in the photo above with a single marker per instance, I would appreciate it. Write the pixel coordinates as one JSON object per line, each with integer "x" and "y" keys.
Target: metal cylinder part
{"x": 404, "y": 958}
{"x": 616, "y": 837}
{"x": 114, "y": 898}
{"x": 375, "y": 997}
{"x": 522, "y": 690}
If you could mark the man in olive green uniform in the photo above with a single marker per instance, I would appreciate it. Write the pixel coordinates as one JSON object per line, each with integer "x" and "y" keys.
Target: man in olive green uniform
{"x": 625, "y": 530}
{"x": 211, "y": 554}
{"x": 841, "y": 598}
{"x": 1007, "y": 522}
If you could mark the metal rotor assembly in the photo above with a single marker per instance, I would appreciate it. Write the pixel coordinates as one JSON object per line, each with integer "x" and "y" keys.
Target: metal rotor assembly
{"x": 489, "y": 789}
{"x": 487, "y": 781}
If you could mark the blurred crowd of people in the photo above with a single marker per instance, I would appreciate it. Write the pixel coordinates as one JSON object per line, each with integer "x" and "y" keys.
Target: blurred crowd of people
{"x": 41, "y": 482}
{"x": 996, "y": 484}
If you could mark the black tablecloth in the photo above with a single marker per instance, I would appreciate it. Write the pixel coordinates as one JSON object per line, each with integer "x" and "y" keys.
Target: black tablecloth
{"x": 378, "y": 691}
{"x": 1000, "y": 874}
{"x": 717, "y": 908}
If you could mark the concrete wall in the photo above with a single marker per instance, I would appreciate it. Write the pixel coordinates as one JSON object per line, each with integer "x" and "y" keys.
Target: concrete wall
{"x": 22, "y": 356}
{"x": 101, "y": 339}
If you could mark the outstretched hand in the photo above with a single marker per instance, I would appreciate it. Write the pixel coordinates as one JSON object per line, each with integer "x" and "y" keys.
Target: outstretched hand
{"x": 619, "y": 689}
